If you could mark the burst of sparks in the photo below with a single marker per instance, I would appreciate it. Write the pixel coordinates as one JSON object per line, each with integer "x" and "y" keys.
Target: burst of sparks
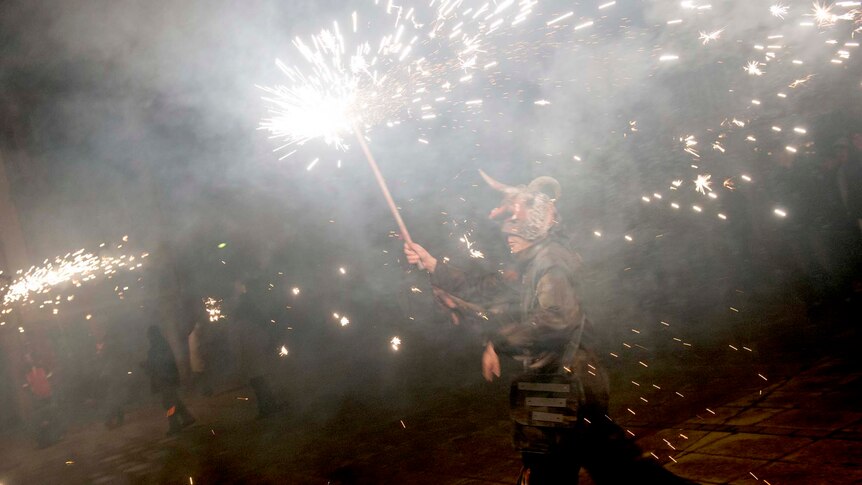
{"x": 339, "y": 93}
{"x": 213, "y": 309}
{"x": 753, "y": 68}
{"x": 824, "y": 17}
{"x": 707, "y": 37}
{"x": 282, "y": 352}
{"x": 324, "y": 104}
{"x": 779, "y": 10}
{"x": 343, "y": 93}
{"x": 75, "y": 268}
{"x": 702, "y": 184}
{"x": 342, "y": 85}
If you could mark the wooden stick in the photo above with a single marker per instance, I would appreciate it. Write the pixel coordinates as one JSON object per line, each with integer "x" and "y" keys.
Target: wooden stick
{"x": 392, "y": 207}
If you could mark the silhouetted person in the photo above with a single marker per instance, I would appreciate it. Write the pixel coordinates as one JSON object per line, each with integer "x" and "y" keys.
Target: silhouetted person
{"x": 840, "y": 144}
{"x": 848, "y": 154}
{"x": 165, "y": 380}
{"x": 46, "y": 421}
{"x": 115, "y": 378}
{"x": 258, "y": 348}
{"x": 199, "y": 354}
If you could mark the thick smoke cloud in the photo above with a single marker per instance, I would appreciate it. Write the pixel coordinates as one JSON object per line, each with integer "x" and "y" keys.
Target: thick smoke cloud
{"x": 140, "y": 118}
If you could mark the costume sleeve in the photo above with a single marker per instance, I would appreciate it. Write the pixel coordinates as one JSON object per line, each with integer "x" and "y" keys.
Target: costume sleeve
{"x": 550, "y": 325}
{"x": 479, "y": 289}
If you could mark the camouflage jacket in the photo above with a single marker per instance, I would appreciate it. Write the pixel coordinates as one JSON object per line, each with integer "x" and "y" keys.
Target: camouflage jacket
{"x": 546, "y": 320}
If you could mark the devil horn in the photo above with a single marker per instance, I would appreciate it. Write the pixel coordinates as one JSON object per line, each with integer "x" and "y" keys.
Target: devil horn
{"x": 543, "y": 182}
{"x": 497, "y": 185}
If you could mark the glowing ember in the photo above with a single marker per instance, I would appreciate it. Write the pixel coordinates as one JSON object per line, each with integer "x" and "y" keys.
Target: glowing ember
{"x": 706, "y": 38}
{"x": 702, "y": 184}
{"x": 474, "y": 253}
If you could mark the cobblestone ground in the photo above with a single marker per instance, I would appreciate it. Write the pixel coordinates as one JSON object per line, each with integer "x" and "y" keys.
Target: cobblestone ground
{"x": 805, "y": 429}
{"x": 802, "y": 425}
{"x": 447, "y": 443}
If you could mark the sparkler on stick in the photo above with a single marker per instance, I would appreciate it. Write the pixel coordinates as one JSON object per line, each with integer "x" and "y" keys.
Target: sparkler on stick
{"x": 347, "y": 88}
{"x": 343, "y": 91}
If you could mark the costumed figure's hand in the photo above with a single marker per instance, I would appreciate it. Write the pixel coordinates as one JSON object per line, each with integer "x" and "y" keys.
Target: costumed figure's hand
{"x": 490, "y": 363}
{"x": 448, "y": 303}
{"x": 416, "y": 254}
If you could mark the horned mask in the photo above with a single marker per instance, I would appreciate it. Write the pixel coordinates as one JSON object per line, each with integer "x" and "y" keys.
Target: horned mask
{"x": 528, "y": 209}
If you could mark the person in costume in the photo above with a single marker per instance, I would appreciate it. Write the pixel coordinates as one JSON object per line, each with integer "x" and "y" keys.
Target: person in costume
{"x": 563, "y": 425}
